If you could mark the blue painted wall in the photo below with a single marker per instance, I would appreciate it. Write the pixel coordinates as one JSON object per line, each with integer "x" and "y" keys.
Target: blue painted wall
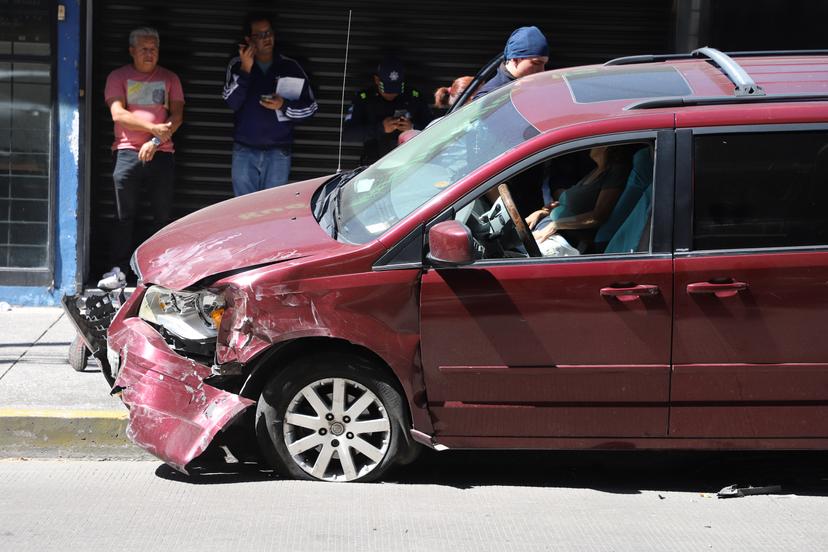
{"x": 65, "y": 228}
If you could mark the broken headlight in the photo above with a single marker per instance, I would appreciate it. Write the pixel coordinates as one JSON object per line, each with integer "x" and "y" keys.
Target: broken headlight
{"x": 133, "y": 264}
{"x": 190, "y": 315}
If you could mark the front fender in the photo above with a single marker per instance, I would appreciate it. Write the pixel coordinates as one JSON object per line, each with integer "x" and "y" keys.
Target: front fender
{"x": 378, "y": 311}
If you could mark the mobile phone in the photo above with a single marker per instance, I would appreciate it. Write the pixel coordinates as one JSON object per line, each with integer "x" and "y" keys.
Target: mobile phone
{"x": 400, "y": 114}
{"x": 265, "y": 97}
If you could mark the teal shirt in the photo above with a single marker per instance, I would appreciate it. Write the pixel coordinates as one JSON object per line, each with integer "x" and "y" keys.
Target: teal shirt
{"x": 581, "y": 197}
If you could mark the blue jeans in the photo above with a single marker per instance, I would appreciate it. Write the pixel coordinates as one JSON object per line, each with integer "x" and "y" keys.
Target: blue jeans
{"x": 259, "y": 169}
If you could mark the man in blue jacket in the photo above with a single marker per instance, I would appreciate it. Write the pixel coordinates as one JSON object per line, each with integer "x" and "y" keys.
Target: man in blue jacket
{"x": 268, "y": 93}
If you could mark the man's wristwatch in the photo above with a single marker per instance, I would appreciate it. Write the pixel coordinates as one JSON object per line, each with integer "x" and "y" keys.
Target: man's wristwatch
{"x": 155, "y": 141}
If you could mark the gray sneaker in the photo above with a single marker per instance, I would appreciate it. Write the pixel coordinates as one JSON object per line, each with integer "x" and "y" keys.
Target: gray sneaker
{"x": 112, "y": 280}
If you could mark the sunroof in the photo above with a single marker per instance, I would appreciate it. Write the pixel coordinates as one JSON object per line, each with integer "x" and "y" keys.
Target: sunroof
{"x": 626, "y": 83}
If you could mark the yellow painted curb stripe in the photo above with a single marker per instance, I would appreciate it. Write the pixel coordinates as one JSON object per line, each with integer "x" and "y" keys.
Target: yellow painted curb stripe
{"x": 55, "y": 413}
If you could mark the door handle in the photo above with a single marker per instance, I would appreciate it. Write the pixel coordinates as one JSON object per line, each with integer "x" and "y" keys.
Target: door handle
{"x": 725, "y": 289}
{"x": 630, "y": 292}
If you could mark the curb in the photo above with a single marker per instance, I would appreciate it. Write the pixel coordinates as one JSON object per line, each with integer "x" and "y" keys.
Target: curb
{"x": 29, "y": 432}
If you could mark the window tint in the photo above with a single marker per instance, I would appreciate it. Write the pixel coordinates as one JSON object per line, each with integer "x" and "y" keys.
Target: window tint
{"x": 760, "y": 190}
{"x": 587, "y": 202}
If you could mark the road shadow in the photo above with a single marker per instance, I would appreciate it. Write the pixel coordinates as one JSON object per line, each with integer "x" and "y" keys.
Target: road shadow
{"x": 624, "y": 472}
{"x": 802, "y": 473}
{"x": 217, "y": 472}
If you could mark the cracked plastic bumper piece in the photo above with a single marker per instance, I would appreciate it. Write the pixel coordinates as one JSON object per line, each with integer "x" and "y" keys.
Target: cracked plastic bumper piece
{"x": 173, "y": 414}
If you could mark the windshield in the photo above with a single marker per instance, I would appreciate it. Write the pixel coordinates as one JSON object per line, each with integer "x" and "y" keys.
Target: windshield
{"x": 396, "y": 185}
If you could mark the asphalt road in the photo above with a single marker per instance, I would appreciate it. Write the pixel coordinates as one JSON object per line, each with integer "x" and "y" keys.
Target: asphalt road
{"x": 448, "y": 501}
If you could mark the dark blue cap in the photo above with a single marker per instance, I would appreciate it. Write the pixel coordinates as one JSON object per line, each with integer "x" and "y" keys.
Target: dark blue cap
{"x": 526, "y": 42}
{"x": 391, "y": 73}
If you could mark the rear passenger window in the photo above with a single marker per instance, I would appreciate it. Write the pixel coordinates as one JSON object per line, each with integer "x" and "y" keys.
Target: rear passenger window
{"x": 760, "y": 190}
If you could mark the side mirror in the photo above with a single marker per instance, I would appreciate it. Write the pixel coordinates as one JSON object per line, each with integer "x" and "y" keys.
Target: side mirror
{"x": 451, "y": 244}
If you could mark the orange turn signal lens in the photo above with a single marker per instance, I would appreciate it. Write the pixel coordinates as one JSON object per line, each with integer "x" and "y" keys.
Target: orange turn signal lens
{"x": 216, "y": 315}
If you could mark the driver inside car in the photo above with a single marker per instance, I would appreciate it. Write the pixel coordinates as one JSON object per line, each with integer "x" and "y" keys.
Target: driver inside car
{"x": 584, "y": 206}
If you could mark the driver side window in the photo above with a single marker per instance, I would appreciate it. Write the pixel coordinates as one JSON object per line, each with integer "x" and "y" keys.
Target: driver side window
{"x": 587, "y": 202}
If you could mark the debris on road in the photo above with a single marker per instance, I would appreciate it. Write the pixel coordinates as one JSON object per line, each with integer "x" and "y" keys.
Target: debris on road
{"x": 735, "y": 491}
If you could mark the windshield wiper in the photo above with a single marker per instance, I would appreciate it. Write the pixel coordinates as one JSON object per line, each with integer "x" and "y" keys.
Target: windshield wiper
{"x": 337, "y": 206}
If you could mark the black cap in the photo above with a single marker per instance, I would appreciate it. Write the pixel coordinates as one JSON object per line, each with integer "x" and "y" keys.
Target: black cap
{"x": 391, "y": 73}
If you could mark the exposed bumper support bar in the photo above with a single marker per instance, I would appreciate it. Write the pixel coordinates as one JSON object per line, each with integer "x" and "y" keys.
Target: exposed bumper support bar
{"x": 426, "y": 440}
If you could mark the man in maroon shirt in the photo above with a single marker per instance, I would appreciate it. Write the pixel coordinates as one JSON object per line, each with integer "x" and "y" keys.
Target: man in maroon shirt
{"x": 147, "y": 106}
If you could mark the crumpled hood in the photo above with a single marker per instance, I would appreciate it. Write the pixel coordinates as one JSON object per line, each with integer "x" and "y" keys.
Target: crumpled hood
{"x": 264, "y": 227}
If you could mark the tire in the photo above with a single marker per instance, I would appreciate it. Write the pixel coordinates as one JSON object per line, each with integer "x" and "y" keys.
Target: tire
{"x": 332, "y": 439}
{"x": 78, "y": 354}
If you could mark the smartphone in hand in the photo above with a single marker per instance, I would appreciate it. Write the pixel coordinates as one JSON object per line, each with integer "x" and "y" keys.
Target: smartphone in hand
{"x": 401, "y": 114}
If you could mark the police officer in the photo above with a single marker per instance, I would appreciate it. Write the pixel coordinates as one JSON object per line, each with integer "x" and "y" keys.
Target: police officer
{"x": 378, "y": 115}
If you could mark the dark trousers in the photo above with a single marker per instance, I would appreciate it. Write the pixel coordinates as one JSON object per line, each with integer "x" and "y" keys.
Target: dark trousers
{"x": 133, "y": 177}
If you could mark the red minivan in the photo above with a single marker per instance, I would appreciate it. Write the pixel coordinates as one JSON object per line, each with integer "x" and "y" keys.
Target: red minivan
{"x": 632, "y": 255}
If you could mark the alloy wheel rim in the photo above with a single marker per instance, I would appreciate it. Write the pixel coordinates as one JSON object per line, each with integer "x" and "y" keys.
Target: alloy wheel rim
{"x": 336, "y": 429}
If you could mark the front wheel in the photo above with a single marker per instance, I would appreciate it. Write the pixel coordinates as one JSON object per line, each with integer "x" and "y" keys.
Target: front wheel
{"x": 332, "y": 417}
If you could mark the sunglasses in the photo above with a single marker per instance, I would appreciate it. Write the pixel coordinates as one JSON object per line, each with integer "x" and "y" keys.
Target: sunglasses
{"x": 262, "y": 35}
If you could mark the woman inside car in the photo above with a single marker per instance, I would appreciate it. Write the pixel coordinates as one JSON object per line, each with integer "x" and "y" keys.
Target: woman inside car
{"x": 588, "y": 203}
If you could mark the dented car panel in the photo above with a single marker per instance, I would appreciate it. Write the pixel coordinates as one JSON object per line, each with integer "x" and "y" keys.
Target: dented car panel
{"x": 374, "y": 310}
{"x": 251, "y": 230}
{"x": 173, "y": 414}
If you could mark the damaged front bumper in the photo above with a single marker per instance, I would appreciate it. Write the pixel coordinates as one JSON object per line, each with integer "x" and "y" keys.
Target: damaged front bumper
{"x": 91, "y": 314}
{"x": 173, "y": 413}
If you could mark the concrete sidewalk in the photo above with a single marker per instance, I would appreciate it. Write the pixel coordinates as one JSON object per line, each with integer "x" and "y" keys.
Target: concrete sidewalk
{"x": 47, "y": 409}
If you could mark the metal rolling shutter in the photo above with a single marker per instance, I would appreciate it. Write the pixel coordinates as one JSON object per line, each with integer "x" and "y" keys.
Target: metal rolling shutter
{"x": 439, "y": 41}
{"x": 767, "y": 25}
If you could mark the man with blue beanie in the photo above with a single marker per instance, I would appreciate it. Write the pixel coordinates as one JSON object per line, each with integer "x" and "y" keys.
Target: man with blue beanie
{"x": 526, "y": 53}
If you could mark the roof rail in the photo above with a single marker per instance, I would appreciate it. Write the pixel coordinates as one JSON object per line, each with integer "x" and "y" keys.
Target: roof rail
{"x": 745, "y": 85}
{"x": 647, "y": 58}
{"x": 684, "y": 101}
{"x": 762, "y": 53}
{"x": 650, "y": 58}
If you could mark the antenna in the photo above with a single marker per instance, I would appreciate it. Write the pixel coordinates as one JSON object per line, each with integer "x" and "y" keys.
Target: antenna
{"x": 342, "y": 100}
